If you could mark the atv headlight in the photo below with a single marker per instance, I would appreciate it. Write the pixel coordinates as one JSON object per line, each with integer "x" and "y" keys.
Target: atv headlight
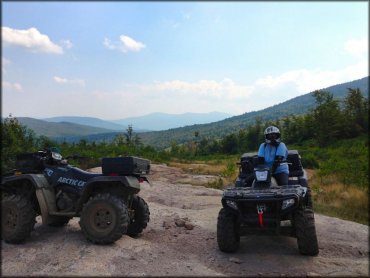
{"x": 287, "y": 203}
{"x": 232, "y": 204}
{"x": 262, "y": 175}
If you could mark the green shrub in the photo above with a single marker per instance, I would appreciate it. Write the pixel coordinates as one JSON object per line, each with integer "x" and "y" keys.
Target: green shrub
{"x": 309, "y": 161}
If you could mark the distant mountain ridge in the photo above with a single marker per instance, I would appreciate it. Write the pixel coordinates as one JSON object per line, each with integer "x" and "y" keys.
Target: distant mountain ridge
{"x": 62, "y": 129}
{"x": 150, "y": 122}
{"x": 163, "y": 121}
{"x": 88, "y": 121}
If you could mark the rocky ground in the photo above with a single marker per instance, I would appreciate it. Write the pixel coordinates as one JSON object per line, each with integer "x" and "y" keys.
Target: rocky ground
{"x": 180, "y": 240}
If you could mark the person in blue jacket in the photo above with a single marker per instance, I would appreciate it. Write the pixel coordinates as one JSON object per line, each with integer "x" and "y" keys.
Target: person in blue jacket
{"x": 273, "y": 151}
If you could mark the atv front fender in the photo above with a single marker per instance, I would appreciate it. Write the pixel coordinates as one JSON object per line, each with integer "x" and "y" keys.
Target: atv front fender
{"x": 121, "y": 185}
{"x": 44, "y": 192}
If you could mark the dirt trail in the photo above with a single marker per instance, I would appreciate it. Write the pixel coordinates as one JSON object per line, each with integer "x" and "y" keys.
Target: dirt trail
{"x": 165, "y": 249}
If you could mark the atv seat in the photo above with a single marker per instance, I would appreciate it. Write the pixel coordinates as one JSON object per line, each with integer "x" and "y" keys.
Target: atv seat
{"x": 83, "y": 175}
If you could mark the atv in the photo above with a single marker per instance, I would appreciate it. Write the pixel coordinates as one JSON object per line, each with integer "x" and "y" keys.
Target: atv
{"x": 256, "y": 204}
{"x": 45, "y": 184}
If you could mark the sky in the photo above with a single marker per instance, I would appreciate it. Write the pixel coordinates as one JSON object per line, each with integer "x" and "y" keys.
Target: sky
{"x": 114, "y": 60}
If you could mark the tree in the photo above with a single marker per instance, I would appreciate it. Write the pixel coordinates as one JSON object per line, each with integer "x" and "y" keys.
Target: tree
{"x": 356, "y": 110}
{"x": 229, "y": 144}
{"x": 129, "y": 134}
{"x": 254, "y": 135}
{"x": 15, "y": 138}
{"x": 119, "y": 139}
{"x": 327, "y": 117}
{"x": 132, "y": 139}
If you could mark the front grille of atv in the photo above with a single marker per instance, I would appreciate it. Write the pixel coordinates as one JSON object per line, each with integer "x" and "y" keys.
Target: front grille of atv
{"x": 249, "y": 214}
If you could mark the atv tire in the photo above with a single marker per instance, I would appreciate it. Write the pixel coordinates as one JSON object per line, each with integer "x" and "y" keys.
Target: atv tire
{"x": 228, "y": 238}
{"x": 309, "y": 199}
{"x": 306, "y": 232}
{"x": 59, "y": 221}
{"x": 141, "y": 218}
{"x": 17, "y": 218}
{"x": 104, "y": 218}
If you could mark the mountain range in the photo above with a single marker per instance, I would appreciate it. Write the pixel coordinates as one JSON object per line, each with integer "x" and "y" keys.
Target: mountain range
{"x": 150, "y": 122}
{"x": 179, "y": 128}
{"x": 163, "y": 121}
{"x": 71, "y": 128}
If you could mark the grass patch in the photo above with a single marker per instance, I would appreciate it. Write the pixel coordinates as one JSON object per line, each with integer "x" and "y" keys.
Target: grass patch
{"x": 336, "y": 199}
{"x": 225, "y": 169}
{"x": 218, "y": 184}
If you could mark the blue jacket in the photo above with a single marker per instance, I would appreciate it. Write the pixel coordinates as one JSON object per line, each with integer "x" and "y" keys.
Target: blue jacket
{"x": 269, "y": 153}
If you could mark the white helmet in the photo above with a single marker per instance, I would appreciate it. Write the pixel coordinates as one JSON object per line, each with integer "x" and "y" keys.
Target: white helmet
{"x": 272, "y": 135}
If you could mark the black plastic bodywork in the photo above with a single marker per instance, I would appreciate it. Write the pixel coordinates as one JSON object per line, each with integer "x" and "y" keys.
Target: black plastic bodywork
{"x": 48, "y": 180}
{"x": 243, "y": 200}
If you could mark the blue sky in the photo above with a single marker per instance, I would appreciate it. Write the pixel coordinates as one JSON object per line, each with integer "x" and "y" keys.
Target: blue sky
{"x": 114, "y": 60}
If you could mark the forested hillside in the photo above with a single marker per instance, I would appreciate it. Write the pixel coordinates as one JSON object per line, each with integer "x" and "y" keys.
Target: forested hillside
{"x": 296, "y": 106}
{"x": 217, "y": 130}
{"x": 62, "y": 129}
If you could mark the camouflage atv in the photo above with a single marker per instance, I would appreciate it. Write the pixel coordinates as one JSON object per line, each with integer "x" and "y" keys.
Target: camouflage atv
{"x": 258, "y": 205}
{"x": 45, "y": 184}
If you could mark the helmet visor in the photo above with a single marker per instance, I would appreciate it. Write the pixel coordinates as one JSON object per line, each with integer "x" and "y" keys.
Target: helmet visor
{"x": 272, "y": 136}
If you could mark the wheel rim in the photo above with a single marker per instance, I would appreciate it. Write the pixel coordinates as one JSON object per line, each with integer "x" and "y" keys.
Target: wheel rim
{"x": 103, "y": 219}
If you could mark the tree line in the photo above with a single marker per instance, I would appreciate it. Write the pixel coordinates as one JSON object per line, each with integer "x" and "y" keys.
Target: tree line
{"x": 329, "y": 121}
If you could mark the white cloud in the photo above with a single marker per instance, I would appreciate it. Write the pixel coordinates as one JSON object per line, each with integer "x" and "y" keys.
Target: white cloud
{"x": 178, "y": 96}
{"x": 62, "y": 80}
{"x": 31, "y": 39}
{"x": 225, "y": 88}
{"x": 4, "y": 62}
{"x": 12, "y": 86}
{"x": 357, "y": 47}
{"x": 67, "y": 44}
{"x": 186, "y": 16}
{"x": 125, "y": 44}
{"x": 305, "y": 80}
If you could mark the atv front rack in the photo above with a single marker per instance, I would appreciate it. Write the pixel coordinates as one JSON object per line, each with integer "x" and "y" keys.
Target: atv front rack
{"x": 285, "y": 191}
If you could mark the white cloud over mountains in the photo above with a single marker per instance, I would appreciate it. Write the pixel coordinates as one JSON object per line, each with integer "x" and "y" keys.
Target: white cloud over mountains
{"x": 62, "y": 80}
{"x": 30, "y": 39}
{"x": 125, "y": 44}
{"x": 357, "y": 47}
{"x": 8, "y": 86}
{"x": 301, "y": 81}
{"x": 305, "y": 80}
{"x": 225, "y": 88}
{"x": 178, "y": 96}
{"x": 4, "y": 62}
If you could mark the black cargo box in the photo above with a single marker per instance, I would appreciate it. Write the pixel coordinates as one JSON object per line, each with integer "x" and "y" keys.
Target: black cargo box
{"x": 248, "y": 161}
{"x": 127, "y": 165}
{"x": 295, "y": 169}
